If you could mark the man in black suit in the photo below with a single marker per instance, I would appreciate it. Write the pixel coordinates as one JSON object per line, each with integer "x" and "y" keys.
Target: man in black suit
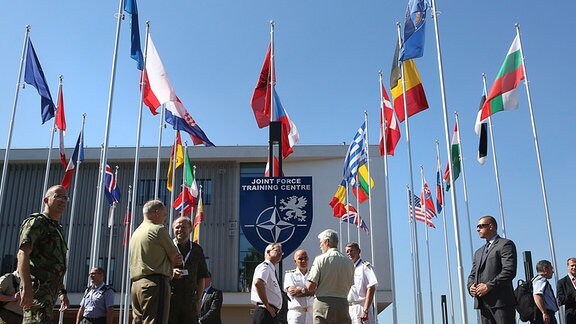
{"x": 567, "y": 292}
{"x": 211, "y": 303}
{"x": 493, "y": 269}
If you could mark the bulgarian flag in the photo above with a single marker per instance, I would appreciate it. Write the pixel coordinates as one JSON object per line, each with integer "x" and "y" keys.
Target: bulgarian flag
{"x": 503, "y": 95}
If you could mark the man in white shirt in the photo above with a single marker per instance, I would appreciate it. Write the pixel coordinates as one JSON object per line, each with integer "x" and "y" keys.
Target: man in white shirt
{"x": 361, "y": 295}
{"x": 543, "y": 294}
{"x": 266, "y": 293}
{"x": 299, "y": 306}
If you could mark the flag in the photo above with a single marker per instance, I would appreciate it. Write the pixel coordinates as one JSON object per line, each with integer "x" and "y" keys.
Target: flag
{"x": 131, "y": 7}
{"x": 483, "y": 133}
{"x": 184, "y": 202}
{"x": 414, "y": 30}
{"x": 362, "y": 188}
{"x": 61, "y": 125}
{"x": 454, "y": 162}
{"x": 77, "y": 157}
{"x": 428, "y": 203}
{"x": 180, "y": 119}
{"x": 276, "y": 168}
{"x": 503, "y": 95}
{"x": 177, "y": 154}
{"x": 127, "y": 221}
{"x": 197, "y": 220}
{"x": 338, "y": 201}
{"x": 388, "y": 125}
{"x": 415, "y": 96}
{"x": 290, "y": 134}
{"x": 260, "y": 101}
{"x": 439, "y": 191}
{"x": 189, "y": 179}
{"x": 351, "y": 216}
{"x": 355, "y": 156}
{"x": 34, "y": 76}
{"x": 111, "y": 187}
{"x": 421, "y": 214}
{"x": 157, "y": 88}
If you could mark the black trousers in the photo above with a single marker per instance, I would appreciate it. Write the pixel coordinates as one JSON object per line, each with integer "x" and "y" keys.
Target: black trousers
{"x": 262, "y": 316}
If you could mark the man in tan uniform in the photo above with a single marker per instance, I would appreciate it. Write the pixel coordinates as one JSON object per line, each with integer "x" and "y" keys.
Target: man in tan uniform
{"x": 152, "y": 258}
{"x": 330, "y": 279}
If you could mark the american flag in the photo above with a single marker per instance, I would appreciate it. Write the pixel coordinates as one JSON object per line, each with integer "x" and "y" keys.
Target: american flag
{"x": 421, "y": 215}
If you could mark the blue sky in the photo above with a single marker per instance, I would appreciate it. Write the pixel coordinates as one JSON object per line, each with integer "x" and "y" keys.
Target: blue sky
{"x": 328, "y": 54}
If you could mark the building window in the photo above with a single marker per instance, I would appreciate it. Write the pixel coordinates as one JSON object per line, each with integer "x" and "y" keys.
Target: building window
{"x": 206, "y": 186}
{"x": 249, "y": 257}
{"x": 146, "y": 189}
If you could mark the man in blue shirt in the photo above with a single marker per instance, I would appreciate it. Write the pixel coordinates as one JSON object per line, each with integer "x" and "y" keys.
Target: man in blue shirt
{"x": 543, "y": 294}
{"x": 97, "y": 305}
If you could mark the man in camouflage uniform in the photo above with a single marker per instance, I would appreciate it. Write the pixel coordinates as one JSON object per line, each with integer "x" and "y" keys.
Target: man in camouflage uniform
{"x": 42, "y": 259}
{"x": 188, "y": 280}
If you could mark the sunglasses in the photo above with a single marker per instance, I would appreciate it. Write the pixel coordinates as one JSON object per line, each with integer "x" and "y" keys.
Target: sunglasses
{"x": 482, "y": 225}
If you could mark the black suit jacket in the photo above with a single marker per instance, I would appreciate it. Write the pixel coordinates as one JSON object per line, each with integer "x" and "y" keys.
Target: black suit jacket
{"x": 211, "y": 305}
{"x": 566, "y": 293}
{"x": 497, "y": 272}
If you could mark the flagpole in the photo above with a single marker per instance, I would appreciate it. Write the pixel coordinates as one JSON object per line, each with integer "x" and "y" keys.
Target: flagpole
{"x": 387, "y": 197}
{"x": 12, "y": 116}
{"x": 73, "y": 207}
{"x": 464, "y": 186}
{"x": 413, "y": 227}
{"x": 496, "y": 172}
{"x": 124, "y": 289}
{"x": 48, "y": 160}
{"x": 99, "y": 195}
{"x": 200, "y": 199}
{"x": 271, "y": 159}
{"x": 448, "y": 266}
{"x": 183, "y": 186}
{"x": 540, "y": 169}
{"x": 160, "y": 128}
{"x": 424, "y": 209}
{"x": 111, "y": 225}
{"x": 461, "y": 282}
{"x": 411, "y": 220}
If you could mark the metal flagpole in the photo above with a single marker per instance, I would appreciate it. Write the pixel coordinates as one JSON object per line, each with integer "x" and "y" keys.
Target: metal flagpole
{"x": 496, "y": 173}
{"x": 125, "y": 288}
{"x": 160, "y": 128}
{"x": 48, "y": 160}
{"x": 174, "y": 157}
{"x": 423, "y": 204}
{"x": 12, "y": 116}
{"x": 416, "y": 259}
{"x": 384, "y": 130}
{"x": 374, "y": 302}
{"x": 99, "y": 195}
{"x": 464, "y": 186}
{"x": 540, "y": 170}
{"x": 73, "y": 207}
{"x": 461, "y": 283}
{"x": 448, "y": 266}
{"x": 411, "y": 220}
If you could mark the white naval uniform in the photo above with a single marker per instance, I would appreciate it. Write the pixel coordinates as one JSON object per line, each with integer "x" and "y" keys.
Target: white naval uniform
{"x": 299, "y": 308}
{"x": 364, "y": 277}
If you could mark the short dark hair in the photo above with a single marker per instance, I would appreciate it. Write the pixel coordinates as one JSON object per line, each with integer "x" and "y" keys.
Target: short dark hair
{"x": 491, "y": 220}
{"x": 353, "y": 245}
{"x": 542, "y": 265}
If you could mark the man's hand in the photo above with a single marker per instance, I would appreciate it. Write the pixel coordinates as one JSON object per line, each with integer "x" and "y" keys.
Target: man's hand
{"x": 26, "y": 298}
{"x": 481, "y": 290}
{"x": 176, "y": 273}
{"x": 546, "y": 317}
{"x": 364, "y": 315}
{"x": 473, "y": 290}
{"x": 271, "y": 310}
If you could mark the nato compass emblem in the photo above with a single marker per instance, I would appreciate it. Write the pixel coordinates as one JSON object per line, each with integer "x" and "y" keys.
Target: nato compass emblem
{"x": 274, "y": 210}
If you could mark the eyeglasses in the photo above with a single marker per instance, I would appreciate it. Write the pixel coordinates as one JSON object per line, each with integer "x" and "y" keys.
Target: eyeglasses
{"x": 94, "y": 273}
{"x": 61, "y": 197}
{"x": 482, "y": 225}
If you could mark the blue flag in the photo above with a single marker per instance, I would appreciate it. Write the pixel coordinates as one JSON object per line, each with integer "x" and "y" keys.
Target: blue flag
{"x": 356, "y": 156}
{"x": 34, "y": 76}
{"x": 135, "y": 48}
{"x": 414, "y": 31}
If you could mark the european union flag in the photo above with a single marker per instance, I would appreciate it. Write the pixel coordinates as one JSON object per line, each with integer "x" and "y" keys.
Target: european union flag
{"x": 135, "y": 49}
{"x": 34, "y": 76}
{"x": 414, "y": 31}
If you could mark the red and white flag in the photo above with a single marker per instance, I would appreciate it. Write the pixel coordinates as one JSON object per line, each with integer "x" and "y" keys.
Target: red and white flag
{"x": 61, "y": 125}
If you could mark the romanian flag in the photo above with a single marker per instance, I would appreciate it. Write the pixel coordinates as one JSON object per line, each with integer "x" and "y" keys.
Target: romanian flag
{"x": 179, "y": 156}
{"x": 338, "y": 201}
{"x": 415, "y": 96}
